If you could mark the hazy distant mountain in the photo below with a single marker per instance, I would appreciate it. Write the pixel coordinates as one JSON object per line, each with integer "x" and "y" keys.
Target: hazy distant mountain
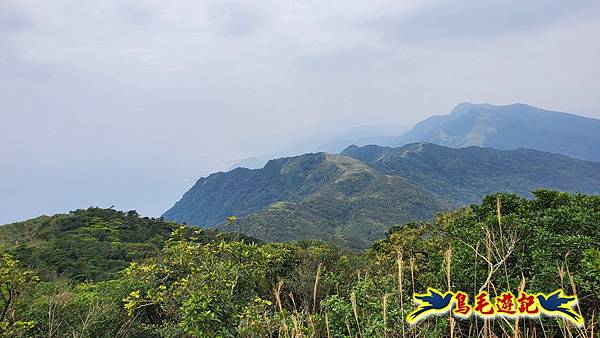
{"x": 510, "y": 127}
{"x": 352, "y": 198}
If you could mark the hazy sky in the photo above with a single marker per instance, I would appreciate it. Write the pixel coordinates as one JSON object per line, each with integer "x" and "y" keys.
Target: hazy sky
{"x": 127, "y": 103}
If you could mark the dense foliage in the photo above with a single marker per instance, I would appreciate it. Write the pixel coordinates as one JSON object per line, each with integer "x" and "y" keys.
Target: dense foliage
{"x": 89, "y": 244}
{"x": 215, "y": 285}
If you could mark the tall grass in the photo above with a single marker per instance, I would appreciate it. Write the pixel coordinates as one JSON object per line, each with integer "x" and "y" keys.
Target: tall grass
{"x": 359, "y": 318}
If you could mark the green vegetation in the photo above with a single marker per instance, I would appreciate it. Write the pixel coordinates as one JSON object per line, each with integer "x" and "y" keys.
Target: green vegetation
{"x": 90, "y": 244}
{"x": 466, "y": 175}
{"x": 87, "y": 245}
{"x": 208, "y": 284}
{"x": 352, "y": 199}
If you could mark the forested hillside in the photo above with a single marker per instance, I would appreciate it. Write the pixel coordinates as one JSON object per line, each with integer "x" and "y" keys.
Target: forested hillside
{"x": 465, "y": 175}
{"x": 354, "y": 197}
{"x": 207, "y": 284}
{"x": 85, "y": 245}
{"x": 90, "y": 244}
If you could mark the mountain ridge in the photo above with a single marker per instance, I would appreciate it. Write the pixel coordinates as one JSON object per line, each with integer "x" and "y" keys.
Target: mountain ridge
{"x": 510, "y": 127}
{"x": 353, "y": 197}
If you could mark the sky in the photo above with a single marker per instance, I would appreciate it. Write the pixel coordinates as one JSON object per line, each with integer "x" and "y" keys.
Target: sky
{"x": 126, "y": 103}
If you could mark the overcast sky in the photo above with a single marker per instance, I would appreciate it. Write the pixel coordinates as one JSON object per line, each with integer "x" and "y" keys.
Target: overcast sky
{"x": 127, "y": 103}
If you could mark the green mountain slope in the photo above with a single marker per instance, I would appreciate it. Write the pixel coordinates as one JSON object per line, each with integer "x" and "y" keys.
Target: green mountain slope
{"x": 353, "y": 209}
{"x": 510, "y": 127}
{"x": 242, "y": 191}
{"x": 320, "y": 196}
{"x": 354, "y": 197}
{"x": 465, "y": 175}
{"x": 92, "y": 244}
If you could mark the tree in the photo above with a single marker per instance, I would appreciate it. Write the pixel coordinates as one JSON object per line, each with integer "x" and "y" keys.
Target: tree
{"x": 13, "y": 282}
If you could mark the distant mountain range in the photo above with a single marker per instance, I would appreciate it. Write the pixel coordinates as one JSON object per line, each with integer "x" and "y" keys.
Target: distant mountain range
{"x": 443, "y": 162}
{"x": 510, "y": 127}
{"x": 353, "y": 197}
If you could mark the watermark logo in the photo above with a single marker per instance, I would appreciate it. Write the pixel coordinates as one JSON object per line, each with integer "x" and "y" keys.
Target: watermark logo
{"x": 525, "y": 305}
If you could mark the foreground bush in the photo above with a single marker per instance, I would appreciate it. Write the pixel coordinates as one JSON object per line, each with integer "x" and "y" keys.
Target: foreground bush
{"x": 200, "y": 285}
